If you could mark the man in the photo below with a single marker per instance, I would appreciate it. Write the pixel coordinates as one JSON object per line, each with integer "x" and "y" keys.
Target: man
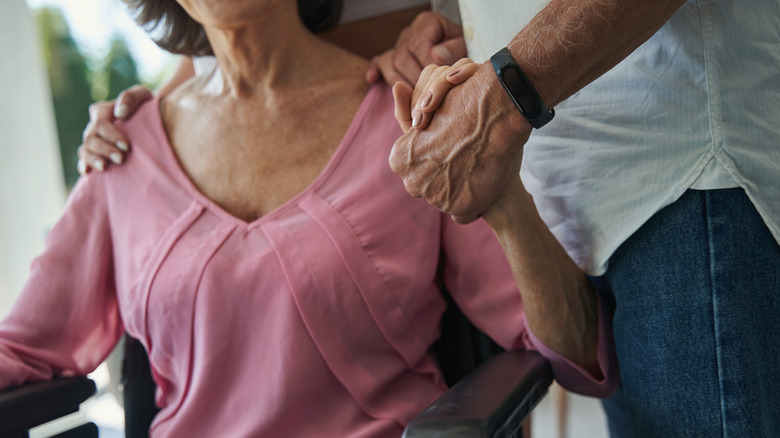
{"x": 659, "y": 171}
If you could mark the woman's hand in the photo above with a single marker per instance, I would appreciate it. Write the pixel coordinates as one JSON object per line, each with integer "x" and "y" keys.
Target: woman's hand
{"x": 430, "y": 39}
{"x": 414, "y": 108}
{"x": 102, "y": 141}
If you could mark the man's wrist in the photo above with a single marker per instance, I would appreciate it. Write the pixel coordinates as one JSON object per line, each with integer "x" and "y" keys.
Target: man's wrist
{"x": 520, "y": 89}
{"x": 512, "y": 127}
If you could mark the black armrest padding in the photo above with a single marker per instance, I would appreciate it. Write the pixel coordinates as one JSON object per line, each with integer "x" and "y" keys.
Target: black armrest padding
{"x": 36, "y": 403}
{"x": 139, "y": 388}
{"x": 492, "y": 401}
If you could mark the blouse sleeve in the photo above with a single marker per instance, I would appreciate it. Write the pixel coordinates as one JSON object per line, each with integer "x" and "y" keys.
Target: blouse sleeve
{"x": 479, "y": 279}
{"x": 66, "y": 320}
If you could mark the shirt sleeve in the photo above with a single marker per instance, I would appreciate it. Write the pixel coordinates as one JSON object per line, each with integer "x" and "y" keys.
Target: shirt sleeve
{"x": 479, "y": 279}
{"x": 572, "y": 376}
{"x": 66, "y": 319}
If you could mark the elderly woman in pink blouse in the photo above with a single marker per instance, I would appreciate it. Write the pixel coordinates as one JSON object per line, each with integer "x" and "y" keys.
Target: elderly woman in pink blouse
{"x": 257, "y": 244}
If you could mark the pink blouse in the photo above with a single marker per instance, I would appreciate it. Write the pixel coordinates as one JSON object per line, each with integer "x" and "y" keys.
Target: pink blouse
{"x": 314, "y": 320}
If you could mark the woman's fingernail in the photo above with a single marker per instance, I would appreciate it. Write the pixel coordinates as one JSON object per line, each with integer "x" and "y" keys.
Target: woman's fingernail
{"x": 116, "y": 157}
{"x": 442, "y": 53}
{"x": 99, "y": 165}
{"x": 416, "y": 118}
{"x": 427, "y": 99}
{"x": 452, "y": 74}
{"x": 121, "y": 111}
{"x": 82, "y": 167}
{"x": 122, "y": 146}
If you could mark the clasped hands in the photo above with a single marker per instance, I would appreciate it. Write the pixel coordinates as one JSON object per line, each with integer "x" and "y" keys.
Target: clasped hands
{"x": 462, "y": 144}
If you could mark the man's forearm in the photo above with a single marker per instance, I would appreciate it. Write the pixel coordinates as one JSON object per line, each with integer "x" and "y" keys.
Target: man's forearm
{"x": 564, "y": 47}
{"x": 570, "y": 43}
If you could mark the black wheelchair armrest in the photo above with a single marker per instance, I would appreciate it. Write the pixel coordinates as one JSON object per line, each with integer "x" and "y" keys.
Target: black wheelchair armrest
{"x": 33, "y": 404}
{"x": 492, "y": 401}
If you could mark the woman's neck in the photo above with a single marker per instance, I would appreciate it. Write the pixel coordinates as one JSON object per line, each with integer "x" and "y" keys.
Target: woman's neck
{"x": 271, "y": 54}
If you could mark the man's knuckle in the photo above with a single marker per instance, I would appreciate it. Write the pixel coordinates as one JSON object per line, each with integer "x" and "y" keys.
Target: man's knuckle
{"x": 395, "y": 160}
{"x": 394, "y": 165}
{"x": 412, "y": 187}
{"x": 88, "y": 132}
{"x": 398, "y": 59}
{"x": 425, "y": 17}
{"x": 404, "y": 37}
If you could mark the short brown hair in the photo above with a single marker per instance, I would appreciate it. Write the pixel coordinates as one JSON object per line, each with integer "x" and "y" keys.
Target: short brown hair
{"x": 175, "y": 31}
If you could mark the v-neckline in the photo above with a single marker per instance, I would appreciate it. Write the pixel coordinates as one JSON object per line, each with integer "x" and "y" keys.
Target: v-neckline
{"x": 329, "y": 168}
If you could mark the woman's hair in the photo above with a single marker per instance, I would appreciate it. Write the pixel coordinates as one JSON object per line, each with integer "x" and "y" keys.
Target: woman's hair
{"x": 175, "y": 31}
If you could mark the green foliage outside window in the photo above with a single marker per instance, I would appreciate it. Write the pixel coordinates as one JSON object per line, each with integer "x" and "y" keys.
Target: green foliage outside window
{"x": 74, "y": 85}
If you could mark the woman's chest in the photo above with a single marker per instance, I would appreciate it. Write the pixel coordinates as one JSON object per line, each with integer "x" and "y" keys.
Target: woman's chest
{"x": 248, "y": 174}
{"x": 342, "y": 270}
{"x": 258, "y": 155}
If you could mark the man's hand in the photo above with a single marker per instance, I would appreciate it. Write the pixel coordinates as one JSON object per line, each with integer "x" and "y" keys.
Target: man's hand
{"x": 102, "y": 141}
{"x": 431, "y": 39}
{"x": 462, "y": 162}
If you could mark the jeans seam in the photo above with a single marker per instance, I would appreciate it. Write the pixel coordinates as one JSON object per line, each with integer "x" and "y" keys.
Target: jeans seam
{"x": 716, "y": 325}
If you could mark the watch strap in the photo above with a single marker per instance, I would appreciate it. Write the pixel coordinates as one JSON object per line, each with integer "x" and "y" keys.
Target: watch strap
{"x": 520, "y": 89}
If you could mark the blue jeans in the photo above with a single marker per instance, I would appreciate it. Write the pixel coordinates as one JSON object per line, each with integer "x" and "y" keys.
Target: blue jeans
{"x": 697, "y": 322}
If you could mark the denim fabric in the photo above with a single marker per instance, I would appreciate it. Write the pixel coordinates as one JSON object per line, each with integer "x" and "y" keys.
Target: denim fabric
{"x": 697, "y": 322}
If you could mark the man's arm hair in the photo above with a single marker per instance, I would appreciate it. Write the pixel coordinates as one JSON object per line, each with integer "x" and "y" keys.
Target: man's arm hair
{"x": 570, "y": 43}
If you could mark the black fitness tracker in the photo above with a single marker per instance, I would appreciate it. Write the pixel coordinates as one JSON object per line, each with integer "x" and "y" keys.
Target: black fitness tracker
{"x": 520, "y": 90}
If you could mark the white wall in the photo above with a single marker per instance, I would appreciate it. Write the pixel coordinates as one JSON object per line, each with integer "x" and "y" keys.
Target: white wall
{"x": 32, "y": 191}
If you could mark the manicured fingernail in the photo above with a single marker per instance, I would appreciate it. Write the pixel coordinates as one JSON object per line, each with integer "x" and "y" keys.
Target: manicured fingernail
{"x": 122, "y": 146}
{"x": 82, "y": 167}
{"x": 121, "y": 111}
{"x": 116, "y": 157}
{"x": 427, "y": 99}
{"x": 442, "y": 53}
{"x": 99, "y": 165}
{"x": 416, "y": 118}
{"x": 452, "y": 74}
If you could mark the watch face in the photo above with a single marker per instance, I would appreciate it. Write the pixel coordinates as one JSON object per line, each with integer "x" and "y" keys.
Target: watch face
{"x": 519, "y": 90}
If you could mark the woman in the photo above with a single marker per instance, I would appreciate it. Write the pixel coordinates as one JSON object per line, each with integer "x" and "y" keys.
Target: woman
{"x": 258, "y": 245}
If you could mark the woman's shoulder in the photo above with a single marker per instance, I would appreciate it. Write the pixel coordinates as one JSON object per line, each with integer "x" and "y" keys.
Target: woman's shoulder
{"x": 145, "y": 131}
{"x": 376, "y": 114}
{"x": 144, "y": 124}
{"x": 150, "y": 153}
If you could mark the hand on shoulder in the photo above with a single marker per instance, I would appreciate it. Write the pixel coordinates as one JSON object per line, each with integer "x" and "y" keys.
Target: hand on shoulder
{"x": 104, "y": 143}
